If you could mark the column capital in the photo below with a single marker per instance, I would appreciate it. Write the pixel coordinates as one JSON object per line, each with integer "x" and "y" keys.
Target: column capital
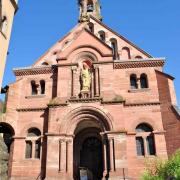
{"x": 96, "y": 66}
{"x": 74, "y": 68}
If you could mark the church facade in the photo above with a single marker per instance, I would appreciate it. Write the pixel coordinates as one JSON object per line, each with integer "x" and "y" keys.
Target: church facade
{"x": 94, "y": 104}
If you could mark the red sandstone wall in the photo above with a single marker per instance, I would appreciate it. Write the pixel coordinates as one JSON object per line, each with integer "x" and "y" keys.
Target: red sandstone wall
{"x": 171, "y": 120}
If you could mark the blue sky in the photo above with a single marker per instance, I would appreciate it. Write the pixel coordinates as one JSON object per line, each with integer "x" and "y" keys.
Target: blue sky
{"x": 153, "y": 25}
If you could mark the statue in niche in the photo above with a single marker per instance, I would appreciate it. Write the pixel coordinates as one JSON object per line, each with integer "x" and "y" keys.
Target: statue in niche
{"x": 85, "y": 77}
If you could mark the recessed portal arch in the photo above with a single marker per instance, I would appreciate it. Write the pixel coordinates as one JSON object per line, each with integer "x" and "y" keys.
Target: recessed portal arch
{"x": 87, "y": 124}
{"x": 71, "y": 121}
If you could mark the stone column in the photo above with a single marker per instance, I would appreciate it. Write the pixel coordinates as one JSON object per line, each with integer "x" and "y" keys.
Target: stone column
{"x": 111, "y": 149}
{"x": 70, "y": 156}
{"x": 62, "y": 156}
{"x": 105, "y": 154}
{"x": 145, "y": 145}
{"x": 92, "y": 84}
{"x": 73, "y": 70}
{"x": 96, "y": 81}
{"x": 33, "y": 148}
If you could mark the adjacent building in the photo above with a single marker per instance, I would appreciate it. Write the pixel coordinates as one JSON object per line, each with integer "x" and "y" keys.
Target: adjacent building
{"x": 94, "y": 104}
{"x": 7, "y": 11}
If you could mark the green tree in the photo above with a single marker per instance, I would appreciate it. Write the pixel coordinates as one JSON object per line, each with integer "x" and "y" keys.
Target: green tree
{"x": 163, "y": 170}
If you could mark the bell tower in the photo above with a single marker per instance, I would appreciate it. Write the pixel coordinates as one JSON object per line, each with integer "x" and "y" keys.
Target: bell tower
{"x": 87, "y": 8}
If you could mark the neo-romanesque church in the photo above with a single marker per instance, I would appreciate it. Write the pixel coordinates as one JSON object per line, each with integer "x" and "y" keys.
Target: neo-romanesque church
{"x": 93, "y": 105}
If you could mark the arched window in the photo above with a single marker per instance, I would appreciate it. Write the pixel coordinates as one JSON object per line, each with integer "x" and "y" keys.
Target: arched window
{"x": 42, "y": 84}
{"x": 145, "y": 144}
{"x": 91, "y": 27}
{"x": 138, "y": 57}
{"x": 34, "y": 90}
{"x": 33, "y": 143}
{"x": 102, "y": 35}
{"x": 133, "y": 81}
{"x": 45, "y": 64}
{"x": 4, "y": 24}
{"x": 126, "y": 53}
{"x": 114, "y": 47}
{"x": 90, "y": 6}
{"x": 143, "y": 81}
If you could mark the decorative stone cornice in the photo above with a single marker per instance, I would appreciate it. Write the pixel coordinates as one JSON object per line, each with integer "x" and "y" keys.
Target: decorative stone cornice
{"x": 31, "y": 109}
{"x": 135, "y": 63}
{"x": 85, "y": 100}
{"x": 33, "y": 70}
{"x": 112, "y": 102}
{"x": 142, "y": 104}
{"x": 57, "y": 105}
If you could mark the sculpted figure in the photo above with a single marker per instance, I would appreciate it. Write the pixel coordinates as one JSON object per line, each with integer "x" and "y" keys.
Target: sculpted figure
{"x": 86, "y": 77}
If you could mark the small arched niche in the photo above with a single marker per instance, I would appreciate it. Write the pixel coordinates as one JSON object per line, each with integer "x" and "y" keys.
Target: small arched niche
{"x": 114, "y": 46}
{"x": 126, "y": 53}
{"x": 102, "y": 35}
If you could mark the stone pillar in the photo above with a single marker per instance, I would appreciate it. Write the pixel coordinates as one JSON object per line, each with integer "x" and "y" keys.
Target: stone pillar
{"x": 145, "y": 145}
{"x": 160, "y": 144}
{"x": 73, "y": 70}
{"x": 92, "y": 84}
{"x": 111, "y": 149}
{"x": 96, "y": 81}
{"x": 33, "y": 148}
{"x": 62, "y": 155}
{"x": 105, "y": 154}
{"x": 53, "y": 156}
{"x": 70, "y": 156}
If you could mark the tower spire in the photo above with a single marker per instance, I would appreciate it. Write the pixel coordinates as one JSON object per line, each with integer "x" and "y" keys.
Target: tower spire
{"x": 89, "y": 8}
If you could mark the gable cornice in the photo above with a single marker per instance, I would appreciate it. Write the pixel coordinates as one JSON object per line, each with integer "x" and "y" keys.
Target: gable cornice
{"x": 33, "y": 70}
{"x": 151, "y": 62}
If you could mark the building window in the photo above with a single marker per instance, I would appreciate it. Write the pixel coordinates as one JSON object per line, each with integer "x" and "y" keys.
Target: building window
{"x": 28, "y": 149}
{"x": 145, "y": 144}
{"x": 143, "y": 81}
{"x": 140, "y": 146}
{"x": 133, "y": 81}
{"x": 34, "y": 90}
{"x": 126, "y": 53}
{"x": 45, "y": 64}
{"x": 90, "y": 6}
{"x": 42, "y": 84}
{"x": 114, "y": 47}
{"x": 102, "y": 35}
{"x": 33, "y": 144}
{"x": 138, "y": 57}
{"x": 91, "y": 27}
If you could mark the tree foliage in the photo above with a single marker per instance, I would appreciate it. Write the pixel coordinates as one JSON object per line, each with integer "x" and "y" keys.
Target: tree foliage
{"x": 163, "y": 170}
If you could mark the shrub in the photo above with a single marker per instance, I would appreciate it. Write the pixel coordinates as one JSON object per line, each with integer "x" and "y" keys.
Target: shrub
{"x": 163, "y": 170}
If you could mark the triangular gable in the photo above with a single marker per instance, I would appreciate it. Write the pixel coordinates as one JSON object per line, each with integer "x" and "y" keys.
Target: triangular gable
{"x": 86, "y": 39}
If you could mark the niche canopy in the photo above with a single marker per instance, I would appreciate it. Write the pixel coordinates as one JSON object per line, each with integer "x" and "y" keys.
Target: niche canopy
{"x": 89, "y": 8}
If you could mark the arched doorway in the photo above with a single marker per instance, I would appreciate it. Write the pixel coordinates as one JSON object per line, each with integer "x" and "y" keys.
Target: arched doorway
{"x": 88, "y": 124}
{"x": 7, "y": 133}
{"x": 88, "y": 153}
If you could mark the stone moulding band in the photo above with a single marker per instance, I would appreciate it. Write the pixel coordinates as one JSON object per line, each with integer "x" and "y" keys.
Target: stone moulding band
{"x": 30, "y": 109}
{"x": 33, "y": 71}
{"x": 88, "y": 101}
{"x": 138, "y": 64}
